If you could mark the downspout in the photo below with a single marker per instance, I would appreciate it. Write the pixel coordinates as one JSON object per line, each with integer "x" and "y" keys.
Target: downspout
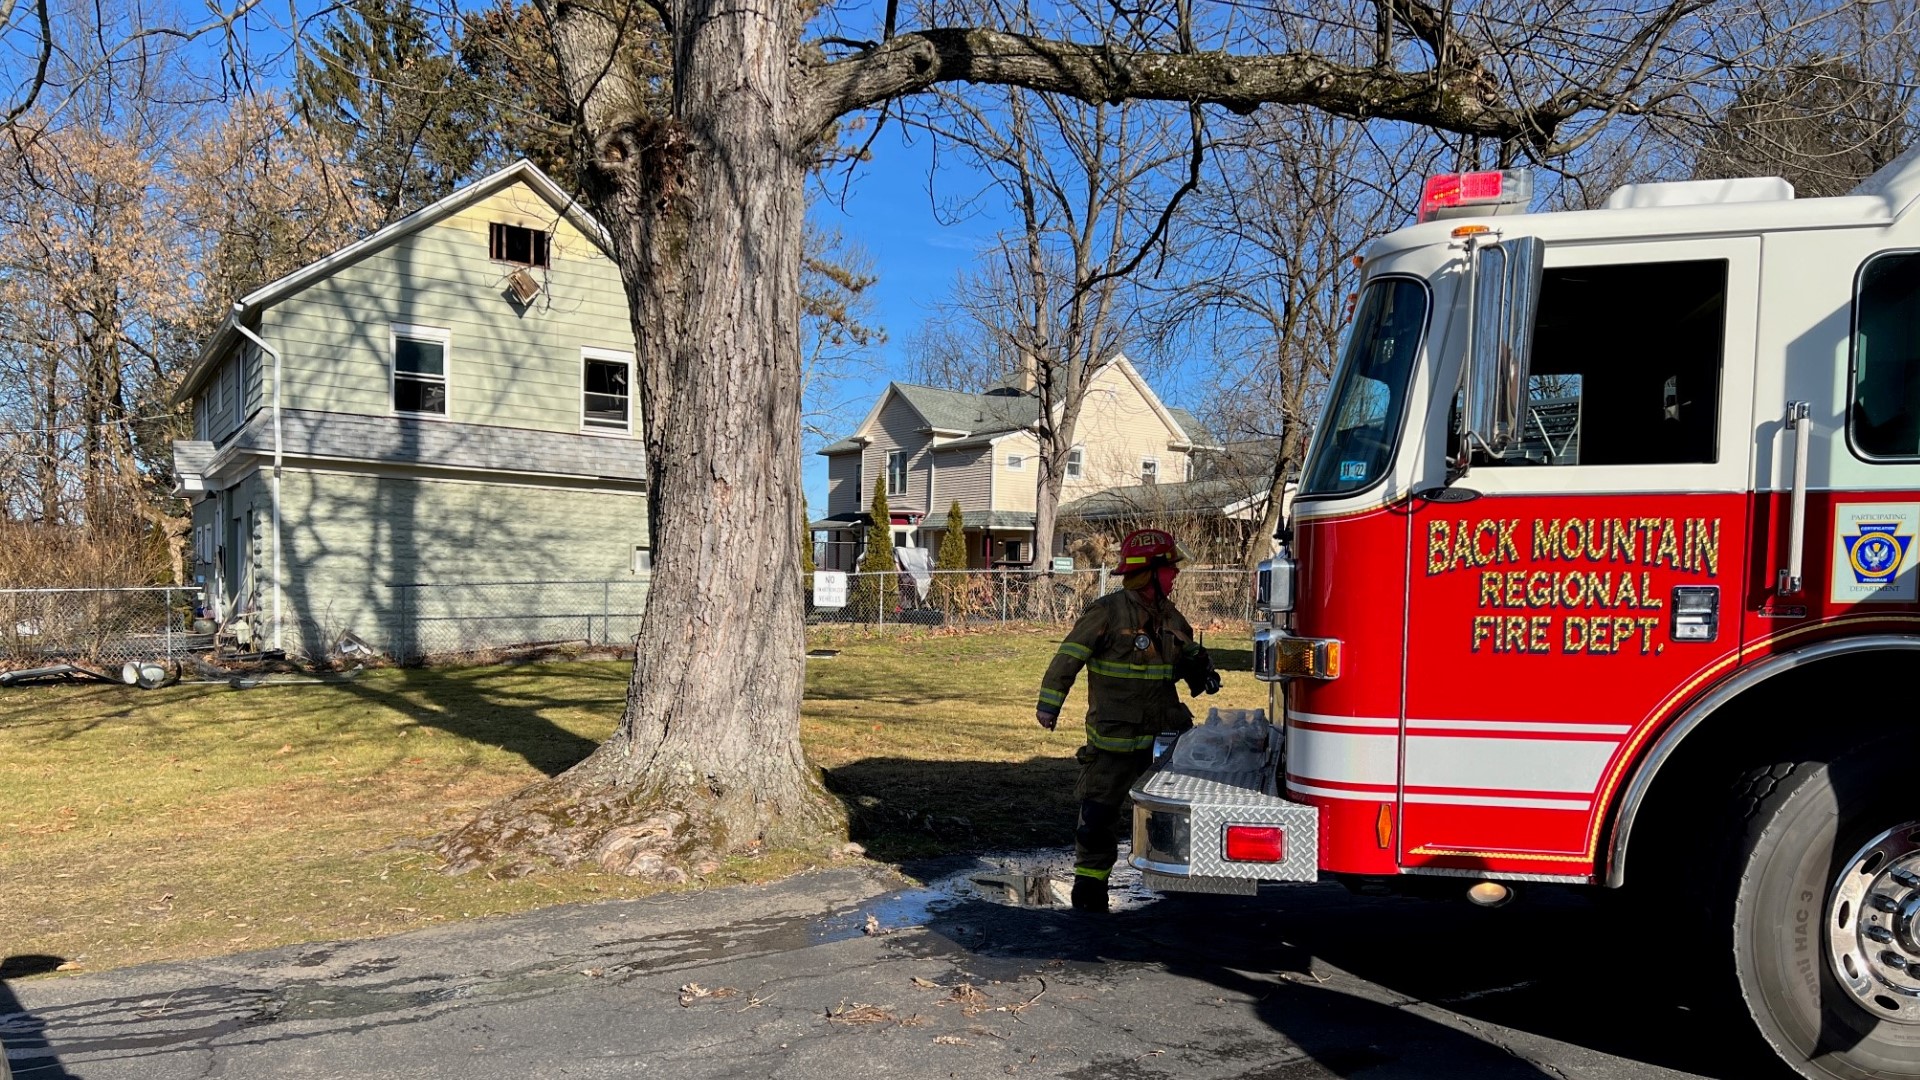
{"x": 238, "y": 311}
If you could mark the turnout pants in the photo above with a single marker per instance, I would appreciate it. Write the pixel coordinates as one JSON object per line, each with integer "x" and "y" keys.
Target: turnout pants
{"x": 1114, "y": 757}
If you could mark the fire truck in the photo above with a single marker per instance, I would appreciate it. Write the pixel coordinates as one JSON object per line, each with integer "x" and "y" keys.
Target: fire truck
{"x": 1602, "y": 571}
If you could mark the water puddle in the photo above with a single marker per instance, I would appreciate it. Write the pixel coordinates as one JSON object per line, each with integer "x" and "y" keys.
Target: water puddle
{"x": 1023, "y": 879}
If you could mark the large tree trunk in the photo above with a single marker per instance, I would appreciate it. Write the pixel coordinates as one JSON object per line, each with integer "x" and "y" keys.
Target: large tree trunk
{"x": 1285, "y": 464}
{"x": 706, "y": 208}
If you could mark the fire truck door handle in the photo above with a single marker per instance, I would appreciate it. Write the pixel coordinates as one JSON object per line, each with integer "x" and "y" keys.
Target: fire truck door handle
{"x": 1802, "y": 428}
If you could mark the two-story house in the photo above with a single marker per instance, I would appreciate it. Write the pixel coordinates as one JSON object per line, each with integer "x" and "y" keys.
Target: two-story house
{"x": 935, "y": 447}
{"x": 449, "y": 400}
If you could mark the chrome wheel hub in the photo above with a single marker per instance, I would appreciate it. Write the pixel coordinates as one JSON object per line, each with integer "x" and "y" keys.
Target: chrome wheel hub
{"x": 1873, "y": 925}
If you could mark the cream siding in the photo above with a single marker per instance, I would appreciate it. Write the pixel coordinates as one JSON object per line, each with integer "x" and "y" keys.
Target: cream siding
{"x": 1013, "y": 489}
{"x": 505, "y": 365}
{"x": 1119, "y": 428}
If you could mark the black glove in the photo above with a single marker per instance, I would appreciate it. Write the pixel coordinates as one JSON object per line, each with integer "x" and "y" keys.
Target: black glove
{"x": 1212, "y": 682}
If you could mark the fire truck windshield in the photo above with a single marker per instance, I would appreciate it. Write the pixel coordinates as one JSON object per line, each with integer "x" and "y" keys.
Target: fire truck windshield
{"x": 1362, "y": 421}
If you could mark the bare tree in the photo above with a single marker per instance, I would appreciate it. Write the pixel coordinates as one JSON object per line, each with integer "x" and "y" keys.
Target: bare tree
{"x": 704, "y": 202}
{"x": 1092, "y": 187}
{"x": 1269, "y": 268}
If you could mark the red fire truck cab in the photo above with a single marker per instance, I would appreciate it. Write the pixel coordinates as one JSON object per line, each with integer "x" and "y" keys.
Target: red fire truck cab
{"x": 1602, "y": 570}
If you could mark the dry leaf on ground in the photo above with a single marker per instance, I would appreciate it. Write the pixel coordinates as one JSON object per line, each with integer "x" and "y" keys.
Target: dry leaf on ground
{"x": 859, "y": 1013}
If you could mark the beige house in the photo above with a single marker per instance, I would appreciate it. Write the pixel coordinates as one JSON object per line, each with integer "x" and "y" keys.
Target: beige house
{"x": 444, "y": 403}
{"x": 935, "y": 447}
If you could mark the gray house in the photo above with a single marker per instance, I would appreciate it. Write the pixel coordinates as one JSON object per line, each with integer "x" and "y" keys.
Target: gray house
{"x": 393, "y": 440}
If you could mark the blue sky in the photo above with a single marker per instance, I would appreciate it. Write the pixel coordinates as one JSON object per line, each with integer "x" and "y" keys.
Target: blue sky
{"x": 917, "y": 255}
{"x": 916, "y": 259}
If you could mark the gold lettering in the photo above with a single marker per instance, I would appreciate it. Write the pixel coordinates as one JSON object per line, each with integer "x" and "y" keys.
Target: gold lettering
{"x": 1647, "y": 623}
{"x": 1623, "y": 632}
{"x": 1600, "y": 589}
{"x": 1626, "y": 597}
{"x": 1439, "y": 542}
{"x": 1513, "y": 633}
{"x": 1509, "y": 549}
{"x": 1702, "y": 546}
{"x": 1490, "y": 588}
{"x": 1647, "y": 598}
{"x": 1546, "y": 539}
{"x": 1576, "y": 635}
{"x": 1516, "y": 588}
{"x": 1572, "y": 589}
{"x": 1572, "y": 539}
{"x": 1491, "y": 531}
{"x": 1540, "y": 589}
{"x": 1482, "y": 628}
{"x": 1537, "y": 633}
{"x": 1596, "y": 539}
{"x": 1620, "y": 532}
{"x": 1463, "y": 550}
{"x": 1669, "y": 553}
{"x": 1600, "y": 636}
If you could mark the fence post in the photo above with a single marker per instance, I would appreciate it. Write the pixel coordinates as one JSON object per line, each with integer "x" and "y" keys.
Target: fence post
{"x": 1002, "y": 574}
{"x": 606, "y": 591}
{"x": 166, "y": 616}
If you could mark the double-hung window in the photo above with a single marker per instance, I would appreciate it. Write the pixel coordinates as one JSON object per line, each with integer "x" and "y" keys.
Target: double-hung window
{"x": 1149, "y": 470}
{"x": 420, "y": 370}
{"x": 606, "y": 379}
{"x": 897, "y": 472}
{"x": 1076, "y": 463}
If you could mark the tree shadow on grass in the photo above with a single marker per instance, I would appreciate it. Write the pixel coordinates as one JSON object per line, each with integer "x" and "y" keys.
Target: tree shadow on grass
{"x": 905, "y": 809}
{"x": 501, "y": 707}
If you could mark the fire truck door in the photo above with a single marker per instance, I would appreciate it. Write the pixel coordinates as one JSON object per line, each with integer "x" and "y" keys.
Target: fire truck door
{"x": 1554, "y": 617}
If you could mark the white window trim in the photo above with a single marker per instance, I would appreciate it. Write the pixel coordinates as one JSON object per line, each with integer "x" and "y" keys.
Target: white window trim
{"x": 419, "y": 333}
{"x": 1016, "y": 462}
{"x": 1153, "y": 461}
{"x": 589, "y": 352}
{"x": 906, "y": 472}
{"x": 1076, "y": 470}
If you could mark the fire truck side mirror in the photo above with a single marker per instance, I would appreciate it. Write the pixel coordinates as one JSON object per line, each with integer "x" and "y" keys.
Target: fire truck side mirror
{"x": 1503, "y": 290}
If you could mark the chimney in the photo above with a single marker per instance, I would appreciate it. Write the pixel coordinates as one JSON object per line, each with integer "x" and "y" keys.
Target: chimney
{"x": 1027, "y": 375}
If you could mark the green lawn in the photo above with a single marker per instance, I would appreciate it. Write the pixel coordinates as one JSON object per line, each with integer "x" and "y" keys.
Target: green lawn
{"x": 198, "y": 819}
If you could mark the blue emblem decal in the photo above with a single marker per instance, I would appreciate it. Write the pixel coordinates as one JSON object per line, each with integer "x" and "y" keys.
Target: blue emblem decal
{"x": 1875, "y": 552}
{"x": 1353, "y": 470}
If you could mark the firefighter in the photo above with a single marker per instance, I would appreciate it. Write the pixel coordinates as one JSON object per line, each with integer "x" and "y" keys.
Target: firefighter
{"x": 1134, "y": 644}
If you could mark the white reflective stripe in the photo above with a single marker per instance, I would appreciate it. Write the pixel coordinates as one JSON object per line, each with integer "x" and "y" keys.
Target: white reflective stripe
{"x": 1501, "y": 800}
{"x": 1343, "y": 756}
{"x": 1385, "y": 722}
{"x": 1443, "y": 761}
{"x": 1525, "y": 725}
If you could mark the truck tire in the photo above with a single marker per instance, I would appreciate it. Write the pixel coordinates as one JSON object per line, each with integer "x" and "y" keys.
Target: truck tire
{"x": 1825, "y": 913}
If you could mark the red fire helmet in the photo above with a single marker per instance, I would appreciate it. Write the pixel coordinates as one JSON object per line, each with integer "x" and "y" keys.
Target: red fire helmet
{"x": 1146, "y": 548}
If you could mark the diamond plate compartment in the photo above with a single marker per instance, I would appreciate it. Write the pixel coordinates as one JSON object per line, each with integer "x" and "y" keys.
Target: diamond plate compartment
{"x": 1301, "y": 824}
{"x": 1180, "y": 820}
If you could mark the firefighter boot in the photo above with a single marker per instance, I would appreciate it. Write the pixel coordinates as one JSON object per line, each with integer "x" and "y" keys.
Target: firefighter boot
{"x": 1089, "y": 894}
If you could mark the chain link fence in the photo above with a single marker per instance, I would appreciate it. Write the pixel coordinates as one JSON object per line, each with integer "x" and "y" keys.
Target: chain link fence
{"x": 471, "y": 617}
{"x": 1208, "y": 597}
{"x": 98, "y": 626}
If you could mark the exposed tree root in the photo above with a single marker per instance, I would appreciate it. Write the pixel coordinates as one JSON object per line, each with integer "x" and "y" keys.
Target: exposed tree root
{"x": 647, "y": 833}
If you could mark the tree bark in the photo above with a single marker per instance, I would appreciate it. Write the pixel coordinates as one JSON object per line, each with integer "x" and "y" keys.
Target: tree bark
{"x": 705, "y": 207}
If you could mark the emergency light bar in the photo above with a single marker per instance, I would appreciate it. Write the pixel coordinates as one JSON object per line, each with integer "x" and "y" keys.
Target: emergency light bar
{"x": 1479, "y": 193}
